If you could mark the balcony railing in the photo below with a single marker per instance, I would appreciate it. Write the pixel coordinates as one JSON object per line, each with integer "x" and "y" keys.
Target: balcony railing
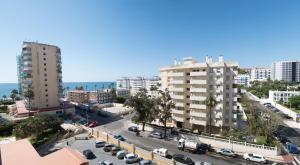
{"x": 174, "y": 89}
{"x": 176, "y": 74}
{"x": 177, "y": 82}
{"x": 198, "y": 82}
{"x": 196, "y": 90}
{"x": 195, "y": 74}
{"x": 175, "y": 111}
{"x": 198, "y": 114}
{"x": 177, "y": 118}
{"x": 198, "y": 98}
{"x": 197, "y": 121}
{"x": 198, "y": 106}
{"x": 180, "y": 97}
{"x": 179, "y": 104}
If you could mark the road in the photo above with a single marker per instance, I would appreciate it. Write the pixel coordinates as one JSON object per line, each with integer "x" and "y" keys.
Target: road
{"x": 145, "y": 142}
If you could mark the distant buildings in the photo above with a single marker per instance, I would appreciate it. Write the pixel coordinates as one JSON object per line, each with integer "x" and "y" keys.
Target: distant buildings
{"x": 40, "y": 71}
{"x": 260, "y": 74}
{"x": 288, "y": 71}
{"x": 125, "y": 93}
{"x": 243, "y": 79}
{"x": 79, "y": 96}
{"x": 190, "y": 84}
{"x": 101, "y": 96}
{"x": 284, "y": 96}
{"x": 22, "y": 152}
{"x": 136, "y": 83}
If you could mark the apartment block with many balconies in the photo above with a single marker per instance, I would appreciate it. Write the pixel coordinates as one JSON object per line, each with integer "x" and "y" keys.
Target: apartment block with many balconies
{"x": 190, "y": 83}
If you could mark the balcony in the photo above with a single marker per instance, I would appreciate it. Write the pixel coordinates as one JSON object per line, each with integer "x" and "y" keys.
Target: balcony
{"x": 219, "y": 98}
{"x": 200, "y": 90}
{"x": 176, "y": 74}
{"x": 179, "y": 104}
{"x": 177, "y": 82}
{"x": 27, "y": 81}
{"x": 198, "y": 114}
{"x": 177, "y": 118}
{"x": 219, "y": 82}
{"x": 174, "y": 89}
{"x": 194, "y": 74}
{"x": 198, "y": 82}
{"x": 27, "y": 68}
{"x": 179, "y": 97}
{"x": 175, "y": 111}
{"x": 198, "y": 106}
{"x": 198, "y": 98}
{"x": 197, "y": 121}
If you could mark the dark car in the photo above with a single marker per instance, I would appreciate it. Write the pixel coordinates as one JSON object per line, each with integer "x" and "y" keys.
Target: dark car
{"x": 133, "y": 129}
{"x": 108, "y": 147}
{"x": 88, "y": 154}
{"x": 203, "y": 148}
{"x": 114, "y": 150}
{"x": 183, "y": 159}
{"x": 283, "y": 139}
{"x": 119, "y": 137}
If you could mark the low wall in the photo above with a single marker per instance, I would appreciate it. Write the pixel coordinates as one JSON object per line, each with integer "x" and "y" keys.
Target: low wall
{"x": 240, "y": 147}
{"x": 285, "y": 110}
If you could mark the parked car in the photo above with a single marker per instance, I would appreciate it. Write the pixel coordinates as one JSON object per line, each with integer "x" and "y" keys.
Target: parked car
{"x": 161, "y": 152}
{"x": 254, "y": 157}
{"x": 119, "y": 137}
{"x": 133, "y": 129}
{"x": 99, "y": 143}
{"x": 283, "y": 139}
{"x": 106, "y": 162}
{"x": 88, "y": 154}
{"x": 226, "y": 152}
{"x": 108, "y": 147}
{"x": 93, "y": 124}
{"x": 292, "y": 148}
{"x": 203, "y": 148}
{"x": 157, "y": 135}
{"x": 121, "y": 154}
{"x": 82, "y": 122}
{"x": 131, "y": 158}
{"x": 114, "y": 150}
{"x": 145, "y": 162}
{"x": 203, "y": 163}
{"x": 183, "y": 159}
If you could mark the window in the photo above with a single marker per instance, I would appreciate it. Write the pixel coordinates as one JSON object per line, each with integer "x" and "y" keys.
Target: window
{"x": 187, "y": 96}
{"x": 188, "y": 89}
{"x": 187, "y": 81}
{"x": 44, "y": 64}
{"x": 47, "y": 105}
{"x": 187, "y": 74}
{"x": 46, "y": 85}
{"x": 45, "y": 79}
{"x": 46, "y": 100}
{"x": 45, "y": 74}
{"x": 44, "y": 59}
{"x": 44, "y": 48}
{"x": 45, "y": 69}
{"x": 44, "y": 53}
{"x": 46, "y": 90}
{"x": 46, "y": 95}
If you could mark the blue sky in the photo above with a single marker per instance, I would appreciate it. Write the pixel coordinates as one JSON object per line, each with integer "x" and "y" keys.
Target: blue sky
{"x": 102, "y": 40}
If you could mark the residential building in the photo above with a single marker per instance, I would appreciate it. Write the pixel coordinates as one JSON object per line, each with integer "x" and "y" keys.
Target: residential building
{"x": 260, "y": 74}
{"x": 283, "y": 96}
{"x": 288, "y": 71}
{"x": 101, "y": 96}
{"x": 125, "y": 93}
{"x": 39, "y": 70}
{"x": 22, "y": 152}
{"x": 79, "y": 96}
{"x": 190, "y": 83}
{"x": 136, "y": 83}
{"x": 243, "y": 79}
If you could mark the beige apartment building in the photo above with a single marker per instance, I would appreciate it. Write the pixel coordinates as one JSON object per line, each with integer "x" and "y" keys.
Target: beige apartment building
{"x": 39, "y": 70}
{"x": 190, "y": 83}
{"x": 79, "y": 96}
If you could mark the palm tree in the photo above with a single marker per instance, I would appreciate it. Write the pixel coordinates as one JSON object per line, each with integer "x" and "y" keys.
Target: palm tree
{"x": 165, "y": 104}
{"x": 210, "y": 103}
{"x": 4, "y": 97}
{"x": 29, "y": 95}
{"x": 13, "y": 94}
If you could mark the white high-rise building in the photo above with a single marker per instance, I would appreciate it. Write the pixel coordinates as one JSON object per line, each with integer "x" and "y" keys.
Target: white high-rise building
{"x": 136, "y": 83}
{"x": 190, "y": 83}
{"x": 288, "y": 71}
{"x": 260, "y": 74}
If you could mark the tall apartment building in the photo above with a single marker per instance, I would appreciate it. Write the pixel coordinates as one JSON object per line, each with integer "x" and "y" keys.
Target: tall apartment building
{"x": 190, "y": 83}
{"x": 136, "y": 83}
{"x": 288, "y": 71}
{"x": 260, "y": 74}
{"x": 243, "y": 79}
{"x": 40, "y": 71}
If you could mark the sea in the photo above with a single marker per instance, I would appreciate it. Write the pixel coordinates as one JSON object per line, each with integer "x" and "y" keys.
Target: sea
{"x": 6, "y": 88}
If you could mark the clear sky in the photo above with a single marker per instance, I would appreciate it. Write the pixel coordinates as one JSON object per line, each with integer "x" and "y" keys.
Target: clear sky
{"x": 102, "y": 40}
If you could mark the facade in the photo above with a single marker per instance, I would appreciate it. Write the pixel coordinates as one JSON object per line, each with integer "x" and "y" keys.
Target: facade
{"x": 22, "y": 152}
{"x": 125, "y": 93}
{"x": 288, "y": 71}
{"x": 190, "y": 83}
{"x": 40, "y": 71}
{"x": 101, "y": 96}
{"x": 136, "y": 83}
{"x": 79, "y": 96}
{"x": 284, "y": 96}
{"x": 243, "y": 79}
{"x": 260, "y": 74}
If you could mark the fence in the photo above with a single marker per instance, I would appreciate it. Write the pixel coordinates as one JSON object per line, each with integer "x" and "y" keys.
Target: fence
{"x": 149, "y": 155}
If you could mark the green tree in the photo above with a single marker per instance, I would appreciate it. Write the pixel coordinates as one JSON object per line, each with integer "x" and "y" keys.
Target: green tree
{"x": 120, "y": 99}
{"x": 13, "y": 94}
{"x": 4, "y": 97}
{"x": 144, "y": 107}
{"x": 295, "y": 101}
{"x": 29, "y": 95}
{"x": 165, "y": 105}
{"x": 113, "y": 94}
{"x": 79, "y": 88}
{"x": 210, "y": 103}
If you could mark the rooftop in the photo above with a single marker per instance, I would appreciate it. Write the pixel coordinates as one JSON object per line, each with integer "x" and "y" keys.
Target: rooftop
{"x": 22, "y": 152}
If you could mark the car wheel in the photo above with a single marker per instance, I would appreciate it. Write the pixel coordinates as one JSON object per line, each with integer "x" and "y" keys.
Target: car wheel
{"x": 248, "y": 159}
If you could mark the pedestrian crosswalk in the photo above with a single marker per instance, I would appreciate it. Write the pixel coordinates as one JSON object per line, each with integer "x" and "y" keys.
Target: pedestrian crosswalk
{"x": 296, "y": 160}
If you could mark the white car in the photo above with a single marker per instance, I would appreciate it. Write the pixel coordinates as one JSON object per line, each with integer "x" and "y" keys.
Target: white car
{"x": 131, "y": 158}
{"x": 157, "y": 135}
{"x": 161, "y": 151}
{"x": 255, "y": 158}
{"x": 227, "y": 152}
{"x": 106, "y": 162}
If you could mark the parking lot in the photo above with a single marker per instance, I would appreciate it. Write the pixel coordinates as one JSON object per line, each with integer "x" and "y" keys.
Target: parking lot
{"x": 81, "y": 145}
